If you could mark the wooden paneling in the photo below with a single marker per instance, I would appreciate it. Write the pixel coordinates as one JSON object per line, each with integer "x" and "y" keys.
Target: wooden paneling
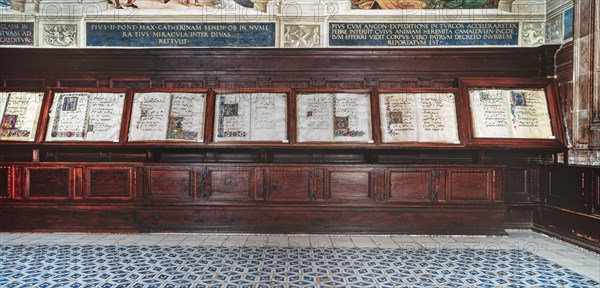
{"x": 131, "y": 83}
{"x": 470, "y": 184}
{"x": 108, "y": 182}
{"x": 521, "y": 184}
{"x": 4, "y": 184}
{"x": 50, "y": 182}
{"x": 348, "y": 184}
{"x": 231, "y": 183}
{"x": 410, "y": 185}
{"x": 293, "y": 184}
{"x": 568, "y": 187}
{"x": 170, "y": 182}
{"x": 78, "y": 83}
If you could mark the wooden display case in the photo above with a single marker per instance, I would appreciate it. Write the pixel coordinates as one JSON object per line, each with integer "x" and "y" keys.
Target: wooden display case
{"x": 452, "y": 184}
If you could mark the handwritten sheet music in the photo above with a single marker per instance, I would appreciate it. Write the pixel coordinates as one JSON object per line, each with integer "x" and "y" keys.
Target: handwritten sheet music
{"x": 419, "y": 117}
{"x": 437, "y": 118}
{"x": 315, "y": 117}
{"x": 104, "y": 117}
{"x": 506, "y": 113}
{"x": 186, "y": 120}
{"x": 333, "y": 117}
{"x": 149, "y": 116}
{"x": 250, "y": 117}
{"x": 20, "y": 116}
{"x": 352, "y": 117}
{"x": 269, "y": 117}
{"x": 399, "y": 117}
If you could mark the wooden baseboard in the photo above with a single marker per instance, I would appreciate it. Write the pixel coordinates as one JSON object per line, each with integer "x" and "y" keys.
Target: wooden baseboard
{"x": 581, "y": 242}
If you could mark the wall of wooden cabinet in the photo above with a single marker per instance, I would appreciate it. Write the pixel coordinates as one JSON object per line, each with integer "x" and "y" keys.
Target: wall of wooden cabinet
{"x": 319, "y": 188}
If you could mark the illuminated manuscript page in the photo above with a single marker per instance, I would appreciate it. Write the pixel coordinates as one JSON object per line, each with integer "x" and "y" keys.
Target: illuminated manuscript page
{"x": 104, "y": 117}
{"x": 232, "y": 113}
{"x": 529, "y": 114}
{"x": 68, "y": 117}
{"x": 20, "y": 118}
{"x": 149, "y": 116}
{"x": 315, "y": 117}
{"x": 269, "y": 117}
{"x": 510, "y": 114}
{"x": 186, "y": 120}
{"x": 398, "y": 117}
{"x": 352, "y": 117}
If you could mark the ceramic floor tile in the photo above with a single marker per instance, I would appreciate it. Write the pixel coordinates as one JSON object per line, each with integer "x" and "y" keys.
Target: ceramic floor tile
{"x": 58, "y": 265}
{"x": 384, "y": 242}
{"x": 215, "y": 240}
{"x": 363, "y": 241}
{"x": 320, "y": 242}
{"x": 235, "y": 241}
{"x": 257, "y": 240}
{"x": 299, "y": 241}
{"x": 278, "y": 241}
{"x": 342, "y": 242}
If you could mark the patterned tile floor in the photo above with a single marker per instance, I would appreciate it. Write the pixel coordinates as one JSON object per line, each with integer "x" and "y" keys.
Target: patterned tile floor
{"x": 523, "y": 259}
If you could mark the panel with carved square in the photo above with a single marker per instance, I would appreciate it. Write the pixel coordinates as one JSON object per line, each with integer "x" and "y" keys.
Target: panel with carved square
{"x": 291, "y": 184}
{"x": 410, "y": 185}
{"x": 471, "y": 185}
{"x": 108, "y": 182}
{"x": 48, "y": 182}
{"x": 230, "y": 183}
{"x": 347, "y": 185}
{"x": 170, "y": 183}
{"x": 4, "y": 184}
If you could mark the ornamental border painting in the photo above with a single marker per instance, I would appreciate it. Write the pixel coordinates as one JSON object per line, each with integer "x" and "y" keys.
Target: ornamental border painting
{"x": 425, "y": 4}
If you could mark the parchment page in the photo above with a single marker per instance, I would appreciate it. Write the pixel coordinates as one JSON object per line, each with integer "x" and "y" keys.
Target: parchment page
{"x": 186, "y": 121}
{"x": 529, "y": 114}
{"x": 104, "y": 117}
{"x": 489, "y": 114}
{"x": 352, "y": 117}
{"x": 398, "y": 117}
{"x": 269, "y": 121}
{"x": 437, "y": 118}
{"x": 3, "y": 100}
{"x": 149, "y": 116}
{"x": 20, "y": 119}
{"x": 232, "y": 117}
{"x": 315, "y": 117}
{"x": 68, "y": 117}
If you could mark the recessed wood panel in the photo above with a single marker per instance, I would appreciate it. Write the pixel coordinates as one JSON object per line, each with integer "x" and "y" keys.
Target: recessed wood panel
{"x": 345, "y": 84}
{"x": 170, "y": 183}
{"x": 233, "y": 184}
{"x": 348, "y": 185}
{"x": 290, "y": 184}
{"x": 410, "y": 186}
{"x": 470, "y": 185}
{"x": 183, "y": 83}
{"x": 4, "y": 186}
{"x": 48, "y": 182}
{"x": 568, "y": 187}
{"x": 130, "y": 83}
{"x": 78, "y": 83}
{"x": 516, "y": 184}
{"x": 108, "y": 183}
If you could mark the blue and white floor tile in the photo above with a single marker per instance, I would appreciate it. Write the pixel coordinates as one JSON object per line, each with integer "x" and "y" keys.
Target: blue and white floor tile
{"x": 524, "y": 259}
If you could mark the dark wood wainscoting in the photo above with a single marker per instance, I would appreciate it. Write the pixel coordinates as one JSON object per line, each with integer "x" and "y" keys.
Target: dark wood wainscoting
{"x": 254, "y": 197}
